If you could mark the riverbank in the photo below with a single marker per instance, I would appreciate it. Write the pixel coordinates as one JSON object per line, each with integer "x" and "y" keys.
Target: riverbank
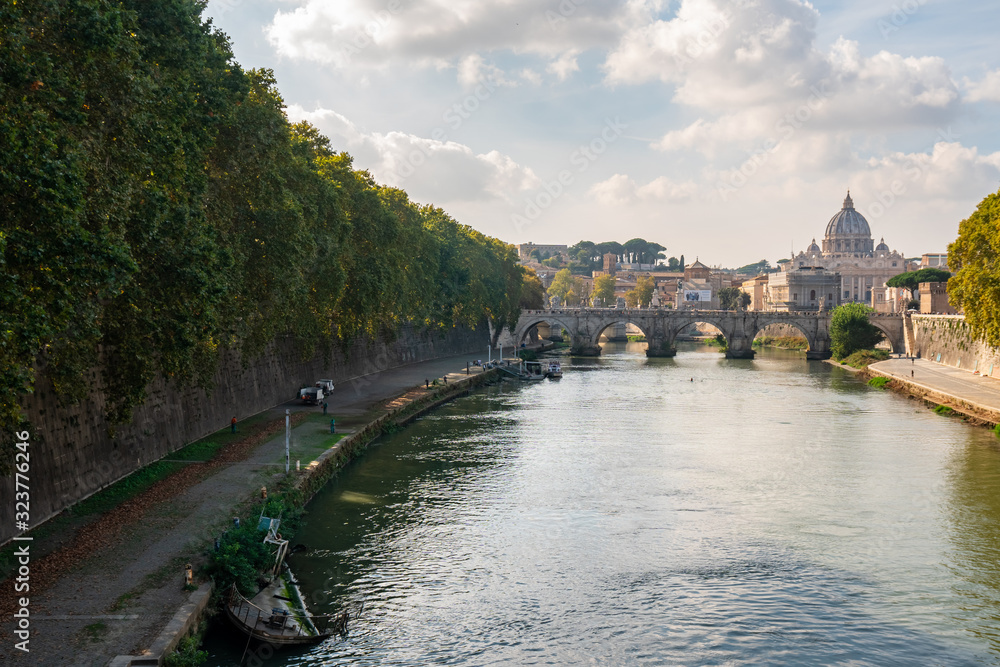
{"x": 971, "y": 395}
{"x": 118, "y": 598}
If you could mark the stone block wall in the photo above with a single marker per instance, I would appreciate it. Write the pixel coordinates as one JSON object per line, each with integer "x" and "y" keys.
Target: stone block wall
{"x": 72, "y": 454}
{"x": 946, "y": 339}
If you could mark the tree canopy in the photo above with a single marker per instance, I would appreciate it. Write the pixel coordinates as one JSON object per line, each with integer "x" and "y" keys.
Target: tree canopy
{"x": 157, "y": 208}
{"x": 588, "y": 256}
{"x": 975, "y": 257}
{"x": 604, "y": 291}
{"x": 911, "y": 279}
{"x": 851, "y": 331}
{"x": 733, "y": 298}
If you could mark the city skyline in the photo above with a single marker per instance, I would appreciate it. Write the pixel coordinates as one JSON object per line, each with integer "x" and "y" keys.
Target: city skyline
{"x": 563, "y": 121}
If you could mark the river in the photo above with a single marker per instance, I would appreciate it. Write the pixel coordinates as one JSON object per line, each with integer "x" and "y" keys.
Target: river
{"x": 685, "y": 511}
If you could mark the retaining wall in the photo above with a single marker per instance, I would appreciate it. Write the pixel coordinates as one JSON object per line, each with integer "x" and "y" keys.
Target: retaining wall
{"x": 946, "y": 339}
{"x": 73, "y": 455}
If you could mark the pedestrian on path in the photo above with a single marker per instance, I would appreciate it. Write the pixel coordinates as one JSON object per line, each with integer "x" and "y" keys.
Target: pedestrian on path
{"x": 232, "y": 425}
{"x": 911, "y": 373}
{"x": 324, "y": 407}
{"x": 913, "y": 360}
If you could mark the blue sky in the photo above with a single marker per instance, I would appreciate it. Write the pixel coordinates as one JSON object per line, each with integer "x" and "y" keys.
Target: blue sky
{"x": 726, "y": 130}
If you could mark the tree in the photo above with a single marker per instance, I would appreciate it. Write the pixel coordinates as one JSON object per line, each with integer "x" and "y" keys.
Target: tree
{"x": 532, "y": 291}
{"x": 561, "y": 285}
{"x": 763, "y": 266}
{"x": 673, "y": 263}
{"x": 851, "y": 331}
{"x": 975, "y": 288}
{"x": 733, "y": 298}
{"x": 604, "y": 290}
{"x": 632, "y": 298}
{"x": 680, "y": 266}
{"x": 911, "y": 279}
{"x": 644, "y": 287}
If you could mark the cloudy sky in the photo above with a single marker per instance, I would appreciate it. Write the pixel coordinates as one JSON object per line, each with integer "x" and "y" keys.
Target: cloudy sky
{"x": 724, "y": 129}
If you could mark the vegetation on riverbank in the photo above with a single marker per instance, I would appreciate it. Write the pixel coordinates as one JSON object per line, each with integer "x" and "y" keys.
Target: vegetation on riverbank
{"x": 782, "y": 342}
{"x": 851, "y": 332}
{"x": 878, "y": 382}
{"x": 863, "y": 358}
{"x": 158, "y": 208}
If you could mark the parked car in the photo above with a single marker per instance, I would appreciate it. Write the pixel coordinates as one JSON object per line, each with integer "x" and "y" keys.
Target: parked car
{"x": 311, "y": 395}
{"x": 325, "y": 385}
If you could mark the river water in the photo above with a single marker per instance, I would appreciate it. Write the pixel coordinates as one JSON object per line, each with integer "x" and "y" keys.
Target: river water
{"x": 686, "y": 511}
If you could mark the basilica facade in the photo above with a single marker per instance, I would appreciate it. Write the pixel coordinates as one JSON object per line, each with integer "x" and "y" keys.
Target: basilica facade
{"x": 849, "y": 251}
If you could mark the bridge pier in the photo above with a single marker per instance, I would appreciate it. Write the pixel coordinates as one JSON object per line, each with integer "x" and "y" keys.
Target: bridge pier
{"x": 740, "y": 354}
{"x": 660, "y": 348}
{"x": 818, "y": 355}
{"x": 585, "y": 350}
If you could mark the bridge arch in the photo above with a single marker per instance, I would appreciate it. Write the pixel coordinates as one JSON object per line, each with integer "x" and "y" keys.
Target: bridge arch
{"x": 607, "y": 323}
{"x": 895, "y": 346}
{"x": 758, "y": 327}
{"x": 532, "y": 320}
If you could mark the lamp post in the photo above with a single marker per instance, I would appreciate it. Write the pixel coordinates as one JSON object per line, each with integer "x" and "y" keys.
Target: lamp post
{"x": 288, "y": 435}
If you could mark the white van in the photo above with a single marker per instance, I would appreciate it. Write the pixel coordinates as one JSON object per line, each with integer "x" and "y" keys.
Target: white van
{"x": 311, "y": 395}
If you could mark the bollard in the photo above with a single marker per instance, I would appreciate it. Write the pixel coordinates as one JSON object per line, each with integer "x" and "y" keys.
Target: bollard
{"x": 296, "y": 465}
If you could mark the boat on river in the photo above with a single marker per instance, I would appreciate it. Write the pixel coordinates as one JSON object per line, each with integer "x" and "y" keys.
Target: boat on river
{"x": 532, "y": 370}
{"x": 277, "y": 614}
{"x": 554, "y": 371}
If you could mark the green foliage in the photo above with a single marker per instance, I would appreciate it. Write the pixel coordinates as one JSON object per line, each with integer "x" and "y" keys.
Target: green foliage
{"x": 527, "y": 355}
{"x": 851, "y": 331}
{"x": 604, "y": 291}
{"x": 943, "y": 410}
{"x": 187, "y": 654}
{"x": 755, "y": 269}
{"x": 911, "y": 279}
{"x": 241, "y": 557}
{"x": 862, "y": 358}
{"x": 532, "y": 291}
{"x": 996, "y": 430}
{"x": 782, "y": 342}
{"x": 975, "y": 287}
{"x": 733, "y": 298}
{"x": 878, "y": 382}
{"x": 158, "y": 208}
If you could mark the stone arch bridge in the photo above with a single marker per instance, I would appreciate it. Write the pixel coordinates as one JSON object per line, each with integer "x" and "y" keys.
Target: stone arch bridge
{"x": 661, "y": 327}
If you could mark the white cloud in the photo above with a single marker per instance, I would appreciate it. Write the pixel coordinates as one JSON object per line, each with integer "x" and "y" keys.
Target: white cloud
{"x": 622, "y": 190}
{"x": 430, "y": 170}
{"x": 987, "y": 89}
{"x": 564, "y": 65}
{"x": 374, "y": 33}
{"x": 761, "y": 54}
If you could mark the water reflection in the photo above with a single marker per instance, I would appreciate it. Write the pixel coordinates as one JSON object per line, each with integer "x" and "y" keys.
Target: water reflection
{"x": 771, "y": 511}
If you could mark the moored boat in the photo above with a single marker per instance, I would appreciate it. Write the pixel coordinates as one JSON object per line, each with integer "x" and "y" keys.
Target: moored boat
{"x": 554, "y": 371}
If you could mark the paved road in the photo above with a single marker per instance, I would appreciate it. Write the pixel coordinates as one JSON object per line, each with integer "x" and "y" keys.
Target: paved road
{"x": 117, "y": 601}
{"x": 960, "y": 384}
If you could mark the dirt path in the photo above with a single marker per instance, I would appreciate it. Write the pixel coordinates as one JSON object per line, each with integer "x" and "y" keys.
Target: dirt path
{"x": 110, "y": 589}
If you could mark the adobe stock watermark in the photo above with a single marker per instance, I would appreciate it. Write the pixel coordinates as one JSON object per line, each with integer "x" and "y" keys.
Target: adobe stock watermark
{"x": 898, "y": 17}
{"x": 914, "y": 171}
{"x": 581, "y": 159}
{"x": 454, "y": 117}
{"x": 785, "y": 127}
{"x": 366, "y": 35}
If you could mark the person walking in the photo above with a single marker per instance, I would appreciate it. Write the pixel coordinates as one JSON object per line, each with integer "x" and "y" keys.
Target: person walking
{"x": 324, "y": 407}
{"x": 232, "y": 425}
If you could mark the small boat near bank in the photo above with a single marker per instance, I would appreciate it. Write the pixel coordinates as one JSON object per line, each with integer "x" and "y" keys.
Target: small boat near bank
{"x": 554, "y": 371}
{"x": 277, "y": 614}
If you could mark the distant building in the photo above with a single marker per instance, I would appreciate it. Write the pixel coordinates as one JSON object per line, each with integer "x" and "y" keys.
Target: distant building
{"x": 756, "y": 288}
{"x": 849, "y": 251}
{"x": 700, "y": 287}
{"x": 934, "y": 299}
{"x": 808, "y": 288}
{"x": 934, "y": 260}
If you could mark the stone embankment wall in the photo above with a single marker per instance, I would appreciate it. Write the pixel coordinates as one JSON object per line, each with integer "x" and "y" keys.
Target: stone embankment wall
{"x": 73, "y": 455}
{"x": 946, "y": 339}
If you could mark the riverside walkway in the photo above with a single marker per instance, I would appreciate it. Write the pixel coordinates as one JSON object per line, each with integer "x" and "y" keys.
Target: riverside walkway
{"x": 101, "y": 589}
{"x": 945, "y": 384}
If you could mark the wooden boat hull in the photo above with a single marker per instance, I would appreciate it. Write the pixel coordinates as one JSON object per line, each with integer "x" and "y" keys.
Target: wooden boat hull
{"x": 271, "y": 638}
